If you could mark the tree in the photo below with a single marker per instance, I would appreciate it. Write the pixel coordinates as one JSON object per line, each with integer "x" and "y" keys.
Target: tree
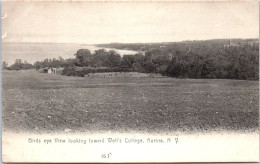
{"x": 19, "y": 65}
{"x": 83, "y": 57}
{"x": 70, "y": 63}
{"x": 4, "y": 65}
{"x": 99, "y": 58}
{"x": 61, "y": 61}
{"x": 37, "y": 65}
{"x": 113, "y": 59}
{"x": 139, "y": 58}
{"x": 128, "y": 61}
{"x": 157, "y": 59}
{"x": 18, "y": 61}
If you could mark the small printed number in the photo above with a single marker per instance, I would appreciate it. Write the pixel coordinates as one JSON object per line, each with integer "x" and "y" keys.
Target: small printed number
{"x": 109, "y": 155}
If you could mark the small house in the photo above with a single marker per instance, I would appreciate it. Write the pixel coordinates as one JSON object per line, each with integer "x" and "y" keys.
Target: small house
{"x": 49, "y": 70}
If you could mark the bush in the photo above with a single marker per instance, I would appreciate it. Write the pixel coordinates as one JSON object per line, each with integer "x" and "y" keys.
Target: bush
{"x": 82, "y": 71}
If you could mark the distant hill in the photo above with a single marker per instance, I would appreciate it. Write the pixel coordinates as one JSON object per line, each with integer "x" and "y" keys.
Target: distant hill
{"x": 142, "y": 47}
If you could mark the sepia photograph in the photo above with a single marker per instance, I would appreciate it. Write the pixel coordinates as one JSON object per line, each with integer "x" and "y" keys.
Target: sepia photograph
{"x": 130, "y": 81}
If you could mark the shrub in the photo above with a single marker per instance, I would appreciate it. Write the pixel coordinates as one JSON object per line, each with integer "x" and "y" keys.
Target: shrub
{"x": 82, "y": 71}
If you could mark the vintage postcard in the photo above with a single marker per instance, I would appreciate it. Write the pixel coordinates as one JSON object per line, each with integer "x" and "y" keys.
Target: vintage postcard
{"x": 130, "y": 81}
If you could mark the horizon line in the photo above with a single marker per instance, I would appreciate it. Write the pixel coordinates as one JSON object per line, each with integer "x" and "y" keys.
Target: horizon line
{"x": 126, "y": 42}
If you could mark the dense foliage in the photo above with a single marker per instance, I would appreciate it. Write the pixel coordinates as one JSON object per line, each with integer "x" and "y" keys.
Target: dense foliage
{"x": 18, "y": 65}
{"x": 190, "y": 59}
{"x": 236, "y": 62}
{"x": 200, "y": 59}
{"x": 52, "y": 63}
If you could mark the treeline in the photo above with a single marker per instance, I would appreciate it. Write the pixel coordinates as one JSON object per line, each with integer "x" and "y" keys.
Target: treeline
{"x": 151, "y": 61}
{"x": 24, "y": 65}
{"x": 194, "y": 59}
{"x": 55, "y": 63}
{"x": 103, "y": 61}
{"x": 235, "y": 62}
{"x": 202, "y": 60}
{"x": 18, "y": 65}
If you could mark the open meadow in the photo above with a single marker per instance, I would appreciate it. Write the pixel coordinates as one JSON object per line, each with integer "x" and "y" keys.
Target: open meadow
{"x": 38, "y": 102}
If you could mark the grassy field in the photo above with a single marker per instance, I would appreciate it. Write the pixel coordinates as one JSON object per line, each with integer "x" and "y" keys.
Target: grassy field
{"x": 39, "y": 102}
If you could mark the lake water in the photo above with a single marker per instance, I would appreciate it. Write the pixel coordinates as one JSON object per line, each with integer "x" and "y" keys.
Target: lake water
{"x": 39, "y": 51}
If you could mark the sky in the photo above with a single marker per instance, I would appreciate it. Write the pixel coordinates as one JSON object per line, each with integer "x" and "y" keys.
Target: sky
{"x": 128, "y": 22}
